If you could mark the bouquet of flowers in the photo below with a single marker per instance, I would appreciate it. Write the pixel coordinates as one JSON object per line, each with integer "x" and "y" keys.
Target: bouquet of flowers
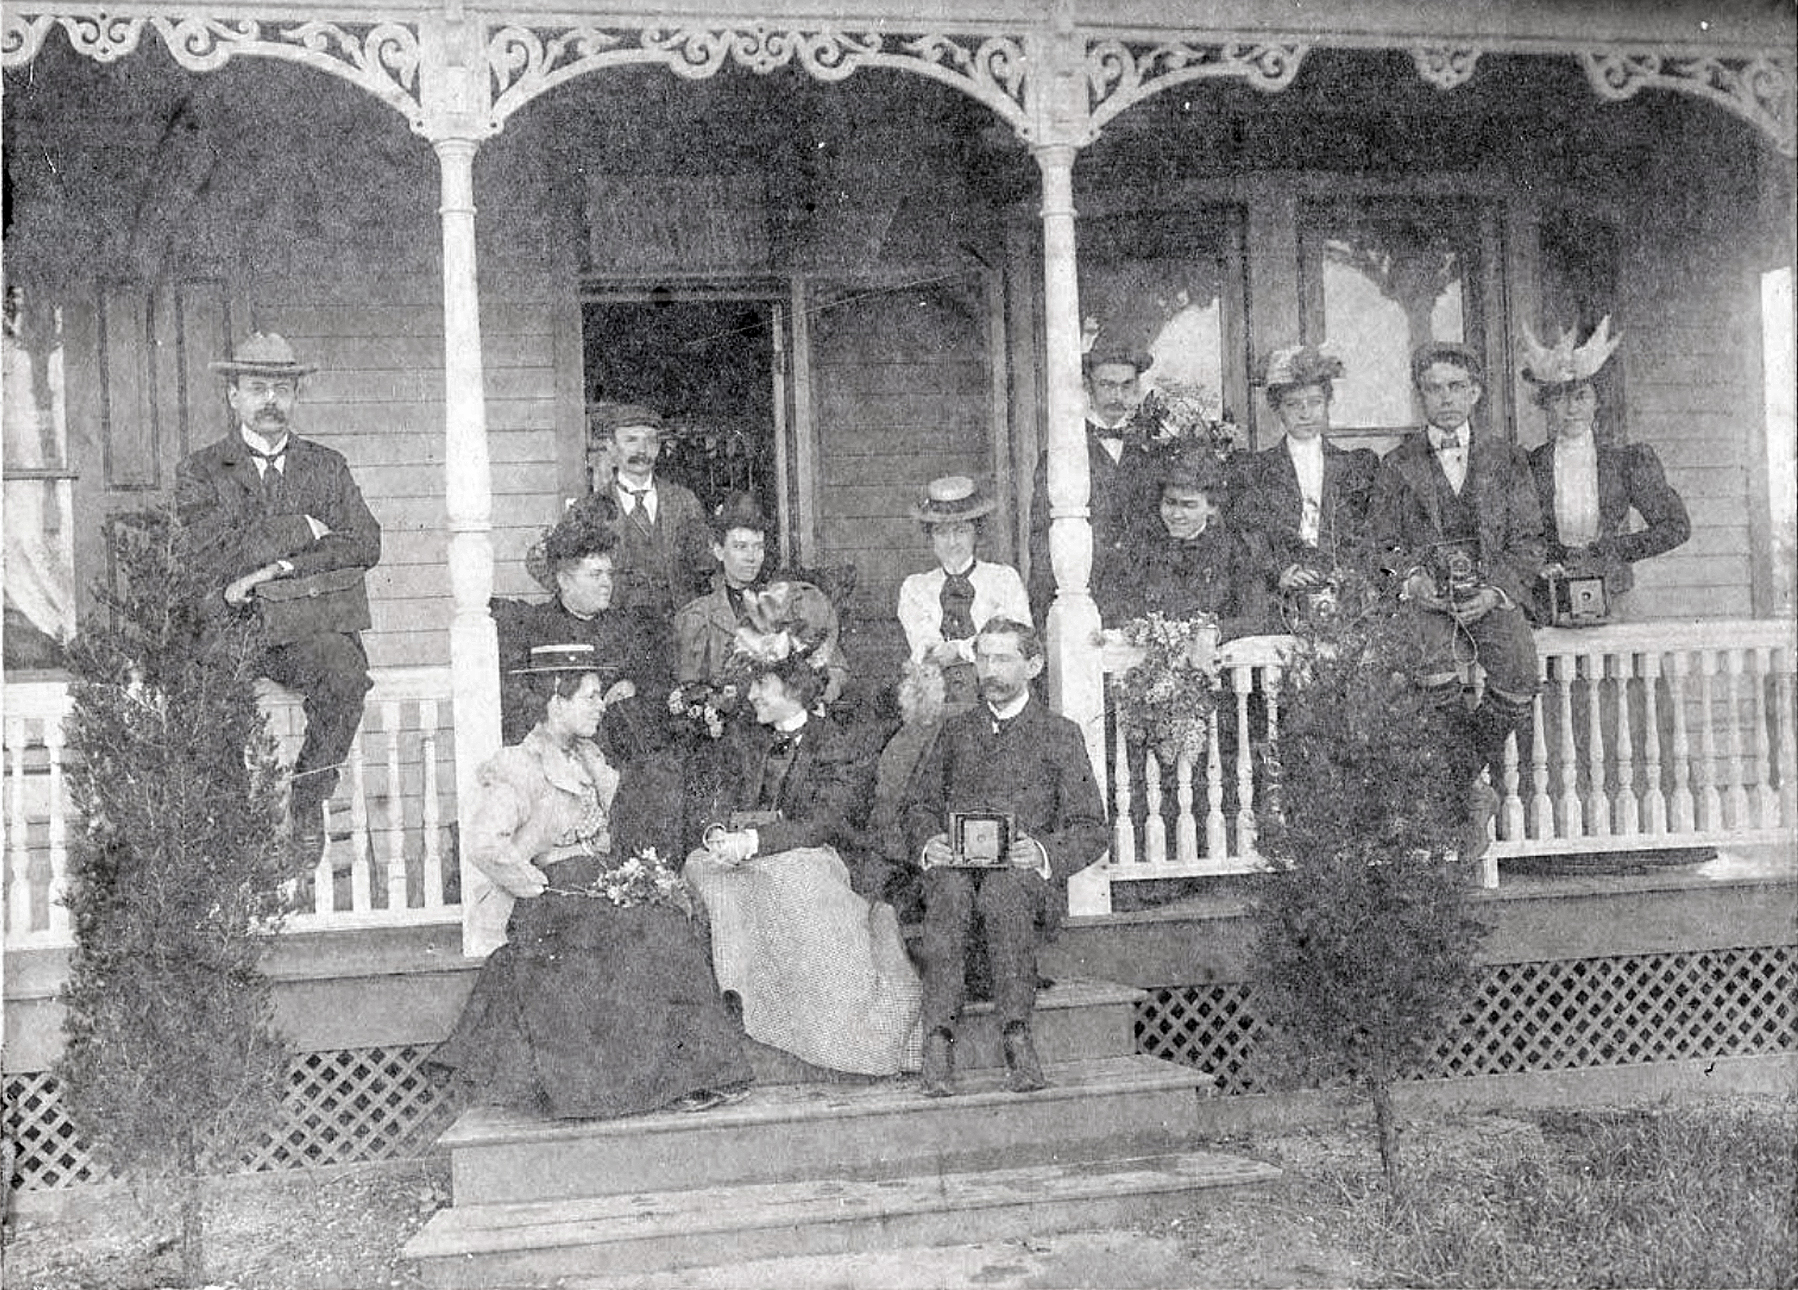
{"x": 705, "y": 705}
{"x": 1168, "y": 696}
{"x": 1180, "y": 416}
{"x": 640, "y": 879}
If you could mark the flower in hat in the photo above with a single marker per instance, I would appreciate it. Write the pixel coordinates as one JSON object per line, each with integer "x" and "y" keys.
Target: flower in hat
{"x": 1301, "y": 365}
{"x": 1563, "y": 361}
{"x": 784, "y": 619}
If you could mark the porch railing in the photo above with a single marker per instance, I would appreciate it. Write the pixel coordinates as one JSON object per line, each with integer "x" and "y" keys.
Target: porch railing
{"x": 1646, "y": 736}
{"x": 388, "y": 858}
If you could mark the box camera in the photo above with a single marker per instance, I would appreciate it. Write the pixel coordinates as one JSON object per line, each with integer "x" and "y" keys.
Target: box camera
{"x": 1563, "y": 601}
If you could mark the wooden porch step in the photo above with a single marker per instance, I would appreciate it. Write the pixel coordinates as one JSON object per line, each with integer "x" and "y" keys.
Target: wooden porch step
{"x": 488, "y": 1245}
{"x": 1075, "y": 1021}
{"x": 873, "y": 1129}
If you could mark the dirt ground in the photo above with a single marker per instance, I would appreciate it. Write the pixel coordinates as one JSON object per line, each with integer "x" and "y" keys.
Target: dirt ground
{"x": 1312, "y": 1228}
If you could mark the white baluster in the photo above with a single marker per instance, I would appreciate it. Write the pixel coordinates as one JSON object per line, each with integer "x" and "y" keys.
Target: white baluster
{"x": 1509, "y": 822}
{"x": 1186, "y": 825}
{"x": 1216, "y": 840}
{"x": 432, "y": 805}
{"x": 1684, "y": 813}
{"x": 324, "y": 884}
{"x": 360, "y": 880}
{"x": 1271, "y": 677}
{"x": 1542, "y": 807}
{"x": 1154, "y": 829}
{"x": 1766, "y": 800}
{"x": 1123, "y": 828}
{"x": 1626, "y": 819}
{"x": 1737, "y": 801}
{"x": 1654, "y": 798}
{"x": 1242, "y": 682}
{"x": 1572, "y": 814}
{"x": 1598, "y": 805}
{"x": 57, "y": 912}
{"x": 396, "y": 808}
{"x": 18, "y": 855}
{"x": 1788, "y": 755}
{"x": 1710, "y": 802}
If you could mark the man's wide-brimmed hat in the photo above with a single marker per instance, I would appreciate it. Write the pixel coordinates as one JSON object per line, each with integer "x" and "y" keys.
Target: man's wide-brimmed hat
{"x": 263, "y": 354}
{"x": 952, "y": 498}
{"x": 1564, "y": 362}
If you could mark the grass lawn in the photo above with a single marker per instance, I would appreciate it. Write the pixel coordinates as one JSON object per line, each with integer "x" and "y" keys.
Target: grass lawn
{"x": 1690, "y": 1194}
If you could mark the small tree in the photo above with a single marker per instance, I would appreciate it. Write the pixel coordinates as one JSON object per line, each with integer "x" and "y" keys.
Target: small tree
{"x": 171, "y": 1067}
{"x": 1367, "y": 935}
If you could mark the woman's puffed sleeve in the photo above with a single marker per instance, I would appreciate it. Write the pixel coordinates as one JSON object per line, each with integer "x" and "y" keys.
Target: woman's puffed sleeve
{"x": 920, "y": 614}
{"x": 494, "y": 844}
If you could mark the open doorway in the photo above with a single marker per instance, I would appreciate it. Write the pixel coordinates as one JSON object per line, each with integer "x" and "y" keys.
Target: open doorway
{"x": 713, "y": 368}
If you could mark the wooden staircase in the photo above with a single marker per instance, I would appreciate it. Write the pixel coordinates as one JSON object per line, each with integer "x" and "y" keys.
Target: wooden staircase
{"x": 817, "y": 1164}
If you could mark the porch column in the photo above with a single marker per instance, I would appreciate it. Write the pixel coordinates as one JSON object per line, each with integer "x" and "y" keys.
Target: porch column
{"x": 1076, "y": 684}
{"x": 468, "y": 482}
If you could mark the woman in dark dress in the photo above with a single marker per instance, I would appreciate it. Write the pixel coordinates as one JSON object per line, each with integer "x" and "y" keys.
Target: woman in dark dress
{"x": 601, "y": 1001}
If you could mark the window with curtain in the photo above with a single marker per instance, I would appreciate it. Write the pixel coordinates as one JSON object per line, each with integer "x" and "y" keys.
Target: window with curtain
{"x": 40, "y": 552}
{"x": 1376, "y": 279}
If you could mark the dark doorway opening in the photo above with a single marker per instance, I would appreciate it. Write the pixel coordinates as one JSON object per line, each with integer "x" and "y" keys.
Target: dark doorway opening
{"x": 711, "y": 368}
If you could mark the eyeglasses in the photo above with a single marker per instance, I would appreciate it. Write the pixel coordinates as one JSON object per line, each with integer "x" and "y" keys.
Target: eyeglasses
{"x": 1446, "y": 387}
{"x": 262, "y": 389}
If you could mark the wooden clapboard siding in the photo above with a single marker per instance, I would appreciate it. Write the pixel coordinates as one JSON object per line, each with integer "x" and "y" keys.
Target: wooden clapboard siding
{"x": 1690, "y": 356}
{"x": 902, "y": 389}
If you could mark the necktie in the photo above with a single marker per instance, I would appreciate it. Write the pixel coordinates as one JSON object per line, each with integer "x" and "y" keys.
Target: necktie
{"x": 273, "y": 466}
{"x": 639, "y": 510}
{"x": 958, "y": 607}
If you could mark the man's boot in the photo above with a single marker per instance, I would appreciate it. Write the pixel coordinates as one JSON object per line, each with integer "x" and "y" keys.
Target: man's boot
{"x": 938, "y": 1071}
{"x": 1024, "y": 1071}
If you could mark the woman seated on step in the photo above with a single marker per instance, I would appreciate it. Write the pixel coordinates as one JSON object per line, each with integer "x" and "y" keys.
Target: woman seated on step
{"x": 600, "y": 1002}
{"x": 818, "y": 970}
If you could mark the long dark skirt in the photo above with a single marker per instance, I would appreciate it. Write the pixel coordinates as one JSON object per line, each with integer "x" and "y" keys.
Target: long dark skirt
{"x": 591, "y": 1011}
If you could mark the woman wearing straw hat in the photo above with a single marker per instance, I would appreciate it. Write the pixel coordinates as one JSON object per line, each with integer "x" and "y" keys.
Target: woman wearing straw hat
{"x": 600, "y": 1001}
{"x": 942, "y": 609}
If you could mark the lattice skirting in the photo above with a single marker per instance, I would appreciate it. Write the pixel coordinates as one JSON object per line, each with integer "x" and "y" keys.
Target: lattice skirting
{"x": 1563, "y": 1015}
{"x": 344, "y": 1106}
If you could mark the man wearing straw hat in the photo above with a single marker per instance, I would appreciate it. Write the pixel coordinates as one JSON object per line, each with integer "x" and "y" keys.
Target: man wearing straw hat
{"x": 291, "y": 540}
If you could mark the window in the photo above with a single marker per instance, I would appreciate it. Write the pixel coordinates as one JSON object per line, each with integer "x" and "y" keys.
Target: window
{"x": 1170, "y": 281}
{"x": 40, "y": 552}
{"x": 1377, "y": 279}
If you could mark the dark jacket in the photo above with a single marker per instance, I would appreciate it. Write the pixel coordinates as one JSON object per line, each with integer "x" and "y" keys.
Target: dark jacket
{"x": 1118, "y": 493}
{"x": 1407, "y": 524}
{"x": 1215, "y": 573}
{"x": 624, "y": 648}
{"x": 1036, "y": 770}
{"x": 659, "y": 569}
{"x": 240, "y": 526}
{"x": 1629, "y": 477}
{"x": 1269, "y": 507}
{"x": 824, "y": 798}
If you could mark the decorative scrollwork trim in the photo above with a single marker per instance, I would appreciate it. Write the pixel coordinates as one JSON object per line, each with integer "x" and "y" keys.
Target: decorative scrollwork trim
{"x": 381, "y": 58}
{"x": 1762, "y": 90}
{"x": 524, "y": 64}
{"x": 1446, "y": 66}
{"x": 1120, "y": 75}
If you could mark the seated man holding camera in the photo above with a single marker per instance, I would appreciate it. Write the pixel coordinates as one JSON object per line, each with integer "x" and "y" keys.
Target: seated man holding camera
{"x": 1457, "y": 517}
{"x": 1000, "y": 811}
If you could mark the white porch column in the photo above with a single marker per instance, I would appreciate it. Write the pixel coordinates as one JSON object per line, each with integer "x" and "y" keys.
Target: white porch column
{"x": 1075, "y": 680}
{"x": 468, "y": 482}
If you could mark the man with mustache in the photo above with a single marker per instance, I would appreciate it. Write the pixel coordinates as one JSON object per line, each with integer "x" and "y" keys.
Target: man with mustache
{"x": 1009, "y": 756}
{"x": 287, "y": 535}
{"x": 664, "y": 543}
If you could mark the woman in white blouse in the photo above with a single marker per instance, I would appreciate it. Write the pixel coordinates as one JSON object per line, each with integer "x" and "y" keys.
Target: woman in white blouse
{"x": 943, "y": 608}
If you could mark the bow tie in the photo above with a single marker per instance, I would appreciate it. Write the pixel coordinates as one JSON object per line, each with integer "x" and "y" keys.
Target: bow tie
{"x": 786, "y": 743}
{"x": 1448, "y": 442}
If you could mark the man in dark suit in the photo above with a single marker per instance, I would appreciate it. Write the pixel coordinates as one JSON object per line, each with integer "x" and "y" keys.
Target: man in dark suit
{"x": 1117, "y": 462}
{"x": 1009, "y": 756}
{"x": 1303, "y": 502}
{"x": 662, "y": 556}
{"x": 1456, "y": 517}
{"x": 289, "y": 536}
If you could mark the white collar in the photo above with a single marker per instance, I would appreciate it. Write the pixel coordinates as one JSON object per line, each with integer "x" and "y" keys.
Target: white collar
{"x": 967, "y": 572}
{"x": 623, "y": 486}
{"x": 262, "y": 445}
{"x": 1312, "y": 447}
{"x": 793, "y": 723}
{"x": 1463, "y": 434}
{"x": 1010, "y": 710}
